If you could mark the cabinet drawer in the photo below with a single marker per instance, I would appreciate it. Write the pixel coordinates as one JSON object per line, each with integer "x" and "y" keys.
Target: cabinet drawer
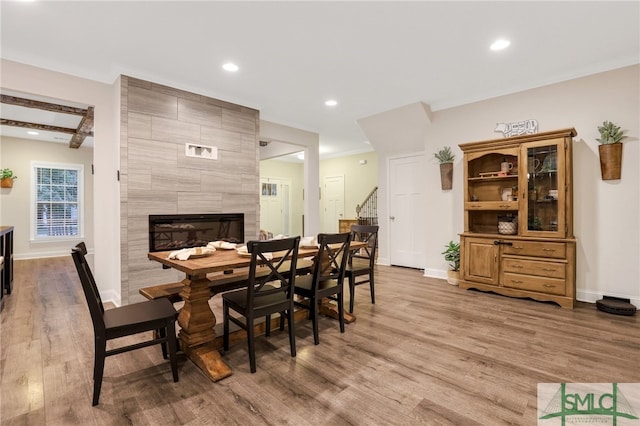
{"x": 536, "y": 248}
{"x": 491, "y": 205}
{"x": 532, "y": 283}
{"x": 532, "y": 267}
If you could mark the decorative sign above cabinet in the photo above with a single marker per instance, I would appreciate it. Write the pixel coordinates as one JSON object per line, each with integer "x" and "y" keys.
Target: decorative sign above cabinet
{"x": 526, "y": 127}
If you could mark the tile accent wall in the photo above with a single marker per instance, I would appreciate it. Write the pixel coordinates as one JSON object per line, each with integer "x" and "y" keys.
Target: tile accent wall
{"x": 156, "y": 177}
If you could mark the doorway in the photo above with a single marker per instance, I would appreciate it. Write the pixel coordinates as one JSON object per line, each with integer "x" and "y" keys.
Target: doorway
{"x": 275, "y": 202}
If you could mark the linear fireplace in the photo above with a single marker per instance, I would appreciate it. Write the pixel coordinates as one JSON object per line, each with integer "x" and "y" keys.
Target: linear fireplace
{"x": 178, "y": 231}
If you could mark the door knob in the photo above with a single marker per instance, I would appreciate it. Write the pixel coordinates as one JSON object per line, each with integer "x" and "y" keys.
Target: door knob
{"x": 392, "y": 217}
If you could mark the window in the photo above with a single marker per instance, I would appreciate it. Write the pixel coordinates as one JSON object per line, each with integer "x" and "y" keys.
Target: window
{"x": 57, "y": 210}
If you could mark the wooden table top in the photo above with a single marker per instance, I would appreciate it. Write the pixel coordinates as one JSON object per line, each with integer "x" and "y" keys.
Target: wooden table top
{"x": 224, "y": 260}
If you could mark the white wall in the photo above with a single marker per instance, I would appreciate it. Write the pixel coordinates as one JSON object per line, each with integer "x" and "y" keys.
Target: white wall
{"x": 606, "y": 213}
{"x": 105, "y": 99}
{"x": 18, "y": 154}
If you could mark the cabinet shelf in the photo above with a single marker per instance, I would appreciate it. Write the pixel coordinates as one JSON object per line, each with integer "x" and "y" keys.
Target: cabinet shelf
{"x": 492, "y": 178}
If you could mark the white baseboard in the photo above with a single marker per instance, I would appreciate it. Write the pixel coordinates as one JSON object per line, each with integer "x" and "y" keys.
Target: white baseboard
{"x": 383, "y": 261}
{"x": 42, "y": 254}
{"x": 435, "y": 273}
{"x": 593, "y": 296}
{"x": 111, "y": 296}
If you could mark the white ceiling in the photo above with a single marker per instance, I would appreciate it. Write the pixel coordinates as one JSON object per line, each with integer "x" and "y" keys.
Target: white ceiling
{"x": 370, "y": 56}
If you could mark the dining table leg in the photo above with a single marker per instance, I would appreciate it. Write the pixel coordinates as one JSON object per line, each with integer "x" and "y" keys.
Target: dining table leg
{"x": 197, "y": 334}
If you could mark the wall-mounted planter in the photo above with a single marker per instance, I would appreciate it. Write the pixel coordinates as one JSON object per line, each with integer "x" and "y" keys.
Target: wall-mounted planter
{"x": 610, "y": 160}
{"x": 446, "y": 175}
{"x": 6, "y": 182}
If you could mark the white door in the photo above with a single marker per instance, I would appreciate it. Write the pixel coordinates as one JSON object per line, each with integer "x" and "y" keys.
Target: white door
{"x": 406, "y": 211}
{"x": 333, "y": 202}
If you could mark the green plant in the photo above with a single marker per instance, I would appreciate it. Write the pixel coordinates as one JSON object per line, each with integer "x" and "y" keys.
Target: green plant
{"x": 445, "y": 155}
{"x": 8, "y": 173}
{"x": 610, "y": 133}
{"x": 452, "y": 255}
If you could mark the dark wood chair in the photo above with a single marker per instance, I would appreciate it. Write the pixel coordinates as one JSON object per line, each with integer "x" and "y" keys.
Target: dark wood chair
{"x": 327, "y": 278}
{"x": 361, "y": 263}
{"x": 153, "y": 315}
{"x": 267, "y": 293}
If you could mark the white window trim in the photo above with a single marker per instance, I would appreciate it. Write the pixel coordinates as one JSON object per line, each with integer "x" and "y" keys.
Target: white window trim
{"x": 34, "y": 192}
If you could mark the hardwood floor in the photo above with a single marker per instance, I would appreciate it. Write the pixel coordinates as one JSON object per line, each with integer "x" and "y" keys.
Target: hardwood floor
{"x": 426, "y": 353}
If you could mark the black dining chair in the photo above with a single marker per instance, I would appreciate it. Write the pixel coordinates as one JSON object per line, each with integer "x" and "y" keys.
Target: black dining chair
{"x": 153, "y": 315}
{"x": 362, "y": 262}
{"x": 327, "y": 279}
{"x": 267, "y": 293}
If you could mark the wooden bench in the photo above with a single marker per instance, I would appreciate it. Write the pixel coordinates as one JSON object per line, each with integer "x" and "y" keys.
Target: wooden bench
{"x": 218, "y": 283}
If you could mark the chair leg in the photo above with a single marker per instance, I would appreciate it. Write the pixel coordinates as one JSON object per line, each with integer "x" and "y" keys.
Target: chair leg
{"x": 98, "y": 368}
{"x": 251, "y": 344}
{"x": 373, "y": 293}
{"x": 352, "y": 293}
{"x": 225, "y": 321}
{"x": 292, "y": 331}
{"x": 314, "y": 320}
{"x": 341, "y": 310}
{"x": 267, "y": 325}
{"x": 162, "y": 334}
{"x": 282, "y": 320}
{"x": 170, "y": 332}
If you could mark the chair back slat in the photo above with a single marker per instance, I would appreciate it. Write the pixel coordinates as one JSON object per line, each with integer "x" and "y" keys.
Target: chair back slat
{"x": 332, "y": 257}
{"x": 368, "y": 234}
{"x": 280, "y": 280}
{"x": 96, "y": 309}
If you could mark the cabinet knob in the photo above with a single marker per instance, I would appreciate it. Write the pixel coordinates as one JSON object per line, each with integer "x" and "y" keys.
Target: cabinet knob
{"x": 548, "y": 270}
{"x": 516, "y": 281}
{"x": 549, "y": 285}
{"x": 517, "y": 266}
{"x": 548, "y": 249}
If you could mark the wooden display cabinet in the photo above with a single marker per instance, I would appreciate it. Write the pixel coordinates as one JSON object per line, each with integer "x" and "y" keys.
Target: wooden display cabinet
{"x": 518, "y": 217}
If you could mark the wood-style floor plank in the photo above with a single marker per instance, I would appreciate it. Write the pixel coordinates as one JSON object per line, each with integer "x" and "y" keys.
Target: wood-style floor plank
{"x": 427, "y": 353}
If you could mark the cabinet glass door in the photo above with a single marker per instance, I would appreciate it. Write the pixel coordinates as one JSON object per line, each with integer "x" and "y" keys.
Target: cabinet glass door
{"x": 545, "y": 189}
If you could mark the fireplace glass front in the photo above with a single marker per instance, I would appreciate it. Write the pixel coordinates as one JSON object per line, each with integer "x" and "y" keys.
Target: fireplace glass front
{"x": 178, "y": 231}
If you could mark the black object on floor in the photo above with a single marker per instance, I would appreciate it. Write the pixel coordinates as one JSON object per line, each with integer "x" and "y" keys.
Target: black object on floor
{"x": 616, "y": 305}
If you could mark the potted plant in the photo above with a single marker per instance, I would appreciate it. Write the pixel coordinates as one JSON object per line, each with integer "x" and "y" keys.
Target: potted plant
{"x": 445, "y": 158}
{"x": 452, "y": 255}
{"x": 6, "y": 181}
{"x": 610, "y": 150}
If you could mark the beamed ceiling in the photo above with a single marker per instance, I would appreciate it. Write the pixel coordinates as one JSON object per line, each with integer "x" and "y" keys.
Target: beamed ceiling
{"x": 53, "y": 121}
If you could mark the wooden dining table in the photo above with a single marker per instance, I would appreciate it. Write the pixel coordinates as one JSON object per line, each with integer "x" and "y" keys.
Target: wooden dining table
{"x": 197, "y": 320}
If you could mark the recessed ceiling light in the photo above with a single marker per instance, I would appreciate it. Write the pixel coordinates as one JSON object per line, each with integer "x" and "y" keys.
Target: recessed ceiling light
{"x": 32, "y": 132}
{"x": 231, "y": 67}
{"x": 331, "y": 102}
{"x": 500, "y": 44}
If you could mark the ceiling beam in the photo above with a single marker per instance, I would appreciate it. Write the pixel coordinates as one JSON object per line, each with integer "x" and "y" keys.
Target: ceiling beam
{"x": 85, "y": 128}
{"x": 36, "y": 126}
{"x": 30, "y": 103}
